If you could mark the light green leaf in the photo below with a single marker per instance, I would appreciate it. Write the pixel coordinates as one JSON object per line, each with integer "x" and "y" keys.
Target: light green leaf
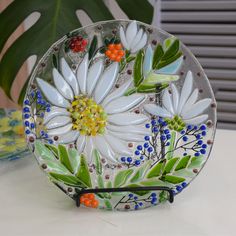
{"x": 138, "y": 68}
{"x": 64, "y": 158}
{"x": 156, "y": 170}
{"x": 67, "y": 179}
{"x": 122, "y": 177}
{"x": 172, "y": 179}
{"x": 196, "y": 162}
{"x": 154, "y": 78}
{"x": 108, "y": 204}
{"x": 140, "y": 172}
{"x": 74, "y": 158}
{"x": 158, "y": 53}
{"x": 153, "y": 182}
{"x": 168, "y": 42}
{"x": 184, "y": 173}
{"x": 56, "y": 166}
{"x": 100, "y": 181}
{"x": 53, "y": 149}
{"x": 43, "y": 152}
{"x": 83, "y": 172}
{"x": 98, "y": 163}
{"x": 172, "y": 50}
{"x": 170, "y": 165}
{"x": 182, "y": 163}
{"x": 109, "y": 184}
{"x": 171, "y": 146}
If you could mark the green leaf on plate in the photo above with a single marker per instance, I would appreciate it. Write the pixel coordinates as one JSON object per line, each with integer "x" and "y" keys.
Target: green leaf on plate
{"x": 122, "y": 177}
{"x": 43, "y": 152}
{"x": 172, "y": 179}
{"x": 108, "y": 204}
{"x": 170, "y": 165}
{"x": 54, "y": 61}
{"x": 100, "y": 182}
{"x": 74, "y": 158}
{"x": 93, "y": 46}
{"x": 130, "y": 91}
{"x": 167, "y": 43}
{"x": 172, "y": 50}
{"x": 109, "y": 184}
{"x": 98, "y": 164}
{"x": 154, "y": 78}
{"x": 64, "y": 157}
{"x": 53, "y": 149}
{"x": 56, "y": 166}
{"x": 158, "y": 53}
{"x": 140, "y": 172}
{"x": 140, "y": 193}
{"x": 153, "y": 182}
{"x": 196, "y": 162}
{"x": 171, "y": 146}
{"x": 156, "y": 170}
{"x": 83, "y": 172}
{"x": 66, "y": 179}
{"x": 138, "y": 68}
{"x": 168, "y": 61}
{"x": 146, "y": 88}
{"x": 182, "y": 163}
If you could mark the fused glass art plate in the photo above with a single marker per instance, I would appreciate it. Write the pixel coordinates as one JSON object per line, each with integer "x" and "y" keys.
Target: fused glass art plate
{"x": 120, "y": 115}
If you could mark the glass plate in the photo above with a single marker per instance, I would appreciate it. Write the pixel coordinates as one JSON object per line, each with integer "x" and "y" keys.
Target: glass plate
{"x": 120, "y": 106}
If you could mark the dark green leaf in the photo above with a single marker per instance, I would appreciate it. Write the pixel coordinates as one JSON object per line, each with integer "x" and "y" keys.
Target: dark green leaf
{"x": 102, "y": 50}
{"x": 156, "y": 169}
{"x": 54, "y": 61}
{"x": 172, "y": 179}
{"x": 140, "y": 193}
{"x": 64, "y": 157}
{"x": 170, "y": 165}
{"x": 159, "y": 52}
{"x": 172, "y": 50}
{"x": 108, "y": 204}
{"x": 130, "y": 58}
{"x": 169, "y": 61}
{"x": 66, "y": 179}
{"x": 83, "y": 172}
{"x": 93, "y": 47}
{"x": 98, "y": 163}
{"x": 130, "y": 91}
{"x": 147, "y": 88}
{"x": 122, "y": 177}
{"x": 106, "y": 41}
{"x": 138, "y": 68}
{"x": 182, "y": 163}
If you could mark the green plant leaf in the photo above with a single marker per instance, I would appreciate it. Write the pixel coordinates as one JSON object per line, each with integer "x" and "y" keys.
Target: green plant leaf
{"x": 64, "y": 157}
{"x": 109, "y": 184}
{"x": 182, "y": 163}
{"x": 108, "y": 204}
{"x": 83, "y": 172}
{"x": 138, "y": 68}
{"x": 158, "y": 53}
{"x": 122, "y": 177}
{"x": 43, "y": 152}
{"x": 153, "y": 182}
{"x": 167, "y": 42}
{"x": 100, "y": 182}
{"x": 57, "y": 18}
{"x": 53, "y": 149}
{"x": 170, "y": 165}
{"x": 196, "y": 162}
{"x": 172, "y": 50}
{"x": 66, "y": 179}
{"x": 169, "y": 60}
{"x": 154, "y": 78}
{"x": 156, "y": 170}
{"x": 56, "y": 166}
{"x": 171, "y": 146}
{"x": 140, "y": 172}
{"x": 184, "y": 173}
{"x": 93, "y": 46}
{"x": 98, "y": 163}
{"x": 74, "y": 158}
{"x": 172, "y": 179}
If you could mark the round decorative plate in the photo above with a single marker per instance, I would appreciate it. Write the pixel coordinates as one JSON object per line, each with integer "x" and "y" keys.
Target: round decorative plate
{"x": 122, "y": 106}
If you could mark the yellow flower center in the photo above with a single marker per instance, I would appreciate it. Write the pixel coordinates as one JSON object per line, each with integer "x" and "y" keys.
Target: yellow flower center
{"x": 87, "y": 116}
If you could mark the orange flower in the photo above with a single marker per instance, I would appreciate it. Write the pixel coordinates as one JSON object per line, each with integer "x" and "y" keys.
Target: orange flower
{"x": 115, "y": 52}
{"x": 89, "y": 200}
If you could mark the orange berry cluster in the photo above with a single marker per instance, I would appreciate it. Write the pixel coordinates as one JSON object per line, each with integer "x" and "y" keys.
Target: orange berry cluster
{"x": 89, "y": 200}
{"x": 115, "y": 52}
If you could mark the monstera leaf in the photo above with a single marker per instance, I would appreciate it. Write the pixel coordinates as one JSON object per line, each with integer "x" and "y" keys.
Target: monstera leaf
{"x": 57, "y": 18}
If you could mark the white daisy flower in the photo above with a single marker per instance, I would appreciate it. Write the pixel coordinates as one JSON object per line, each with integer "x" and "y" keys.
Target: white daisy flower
{"x": 181, "y": 108}
{"x": 133, "y": 39}
{"x": 86, "y": 112}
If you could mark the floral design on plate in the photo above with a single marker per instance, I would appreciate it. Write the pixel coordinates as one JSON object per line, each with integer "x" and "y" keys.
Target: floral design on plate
{"x": 110, "y": 109}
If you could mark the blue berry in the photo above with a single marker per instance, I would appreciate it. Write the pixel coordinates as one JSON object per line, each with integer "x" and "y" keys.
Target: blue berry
{"x": 123, "y": 159}
{"x": 155, "y": 130}
{"x": 203, "y": 133}
{"x": 200, "y": 142}
{"x": 153, "y": 122}
{"x": 139, "y": 147}
{"x": 129, "y": 159}
{"x": 147, "y": 126}
{"x": 164, "y": 123}
{"x": 43, "y": 103}
{"x": 185, "y": 154}
{"x": 196, "y": 154}
{"x": 154, "y": 200}
{"x": 42, "y": 115}
{"x": 166, "y": 131}
{"x": 46, "y": 135}
{"x": 137, "y": 152}
{"x": 185, "y": 138}
{"x": 198, "y": 136}
{"x": 203, "y": 127}
{"x": 48, "y": 105}
{"x": 163, "y": 137}
{"x": 189, "y": 127}
{"x": 150, "y": 149}
{"x": 137, "y": 162}
{"x": 204, "y": 146}
{"x": 168, "y": 144}
{"x": 146, "y": 145}
{"x": 26, "y": 116}
{"x": 153, "y": 195}
{"x": 27, "y": 131}
{"x": 32, "y": 125}
{"x": 32, "y": 94}
{"x": 168, "y": 136}
{"x": 38, "y": 94}
{"x": 182, "y": 132}
{"x": 160, "y": 120}
{"x": 42, "y": 132}
{"x": 26, "y": 102}
{"x": 195, "y": 127}
{"x": 203, "y": 151}
{"x": 136, "y": 207}
{"x": 140, "y": 204}
{"x": 179, "y": 188}
{"x": 131, "y": 195}
{"x": 135, "y": 198}
{"x": 141, "y": 157}
{"x": 48, "y": 109}
{"x": 50, "y": 141}
{"x": 184, "y": 184}
{"x": 27, "y": 123}
{"x": 26, "y": 109}
{"x": 147, "y": 138}
{"x": 39, "y": 101}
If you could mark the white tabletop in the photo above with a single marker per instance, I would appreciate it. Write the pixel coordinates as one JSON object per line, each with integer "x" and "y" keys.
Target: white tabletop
{"x": 31, "y": 205}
